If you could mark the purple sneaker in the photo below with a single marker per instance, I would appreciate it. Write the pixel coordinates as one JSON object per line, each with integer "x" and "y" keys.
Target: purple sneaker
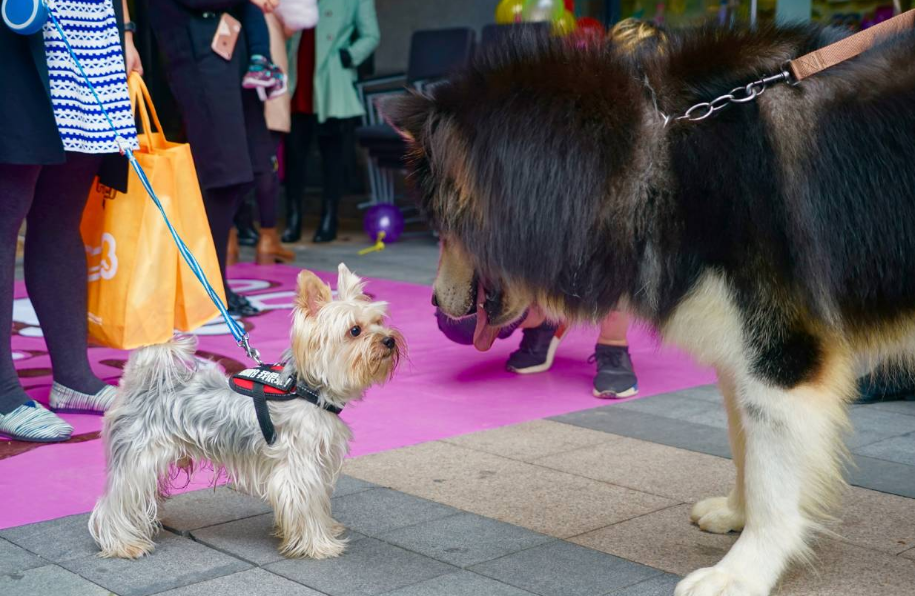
{"x": 537, "y": 349}
{"x": 259, "y": 75}
{"x": 615, "y": 376}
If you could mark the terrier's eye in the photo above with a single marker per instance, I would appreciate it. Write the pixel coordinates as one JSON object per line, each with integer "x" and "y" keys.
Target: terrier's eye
{"x": 355, "y": 331}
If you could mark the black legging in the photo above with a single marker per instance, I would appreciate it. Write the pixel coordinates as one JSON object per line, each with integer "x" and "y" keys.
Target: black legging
{"x": 52, "y": 199}
{"x": 267, "y": 188}
{"x": 222, "y": 204}
{"x": 330, "y": 142}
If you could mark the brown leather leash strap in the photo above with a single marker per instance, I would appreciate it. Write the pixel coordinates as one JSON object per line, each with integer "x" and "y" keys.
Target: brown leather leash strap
{"x": 849, "y": 47}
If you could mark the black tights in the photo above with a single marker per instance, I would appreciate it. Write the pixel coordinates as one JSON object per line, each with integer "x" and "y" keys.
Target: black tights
{"x": 222, "y": 204}
{"x": 51, "y": 199}
{"x": 330, "y": 136}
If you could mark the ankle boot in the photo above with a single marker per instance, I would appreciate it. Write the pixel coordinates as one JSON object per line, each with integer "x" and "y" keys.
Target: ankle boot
{"x": 293, "y": 232}
{"x": 327, "y": 230}
{"x": 269, "y": 249}
{"x": 232, "y": 250}
{"x": 244, "y": 223}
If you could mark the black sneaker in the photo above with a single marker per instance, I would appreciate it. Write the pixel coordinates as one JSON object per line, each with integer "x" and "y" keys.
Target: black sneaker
{"x": 238, "y": 305}
{"x": 537, "y": 349}
{"x": 615, "y": 376}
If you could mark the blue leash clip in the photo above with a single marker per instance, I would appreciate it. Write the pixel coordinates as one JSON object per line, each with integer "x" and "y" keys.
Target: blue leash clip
{"x": 18, "y": 9}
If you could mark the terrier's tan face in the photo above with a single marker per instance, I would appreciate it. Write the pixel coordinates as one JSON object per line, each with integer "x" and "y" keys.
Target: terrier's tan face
{"x": 342, "y": 344}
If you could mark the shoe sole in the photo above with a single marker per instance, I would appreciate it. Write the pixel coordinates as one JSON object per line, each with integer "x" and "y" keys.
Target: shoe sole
{"x": 4, "y": 435}
{"x": 76, "y": 411}
{"x": 550, "y": 354}
{"x": 631, "y": 392}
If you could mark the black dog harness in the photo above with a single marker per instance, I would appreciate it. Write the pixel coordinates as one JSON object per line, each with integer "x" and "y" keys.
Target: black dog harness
{"x": 267, "y": 383}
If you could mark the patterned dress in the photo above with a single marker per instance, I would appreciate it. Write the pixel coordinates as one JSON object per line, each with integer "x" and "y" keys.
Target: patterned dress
{"x": 92, "y": 31}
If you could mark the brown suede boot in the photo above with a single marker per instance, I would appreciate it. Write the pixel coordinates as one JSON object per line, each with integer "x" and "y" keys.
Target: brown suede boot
{"x": 269, "y": 249}
{"x": 232, "y": 250}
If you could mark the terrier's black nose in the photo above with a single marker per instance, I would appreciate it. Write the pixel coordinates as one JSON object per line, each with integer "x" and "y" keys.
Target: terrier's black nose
{"x": 434, "y": 300}
{"x": 389, "y": 342}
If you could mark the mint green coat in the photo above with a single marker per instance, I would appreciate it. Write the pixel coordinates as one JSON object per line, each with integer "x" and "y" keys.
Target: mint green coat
{"x": 334, "y": 93}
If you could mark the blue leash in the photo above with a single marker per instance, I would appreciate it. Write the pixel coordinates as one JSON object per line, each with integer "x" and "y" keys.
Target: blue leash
{"x": 238, "y": 332}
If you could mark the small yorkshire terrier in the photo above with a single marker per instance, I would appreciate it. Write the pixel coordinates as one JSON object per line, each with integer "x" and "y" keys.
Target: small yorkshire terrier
{"x": 171, "y": 409}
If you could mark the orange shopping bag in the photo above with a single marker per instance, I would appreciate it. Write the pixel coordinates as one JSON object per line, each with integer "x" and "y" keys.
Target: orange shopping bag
{"x": 193, "y": 306}
{"x": 140, "y": 290}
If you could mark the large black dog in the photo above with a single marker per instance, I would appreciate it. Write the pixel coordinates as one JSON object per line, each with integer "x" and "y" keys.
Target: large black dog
{"x": 774, "y": 240}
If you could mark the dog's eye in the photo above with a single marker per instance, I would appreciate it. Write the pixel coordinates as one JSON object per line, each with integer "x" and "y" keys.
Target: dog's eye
{"x": 355, "y": 331}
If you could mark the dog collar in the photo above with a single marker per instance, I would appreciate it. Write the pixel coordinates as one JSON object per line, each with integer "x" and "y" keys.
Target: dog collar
{"x": 268, "y": 383}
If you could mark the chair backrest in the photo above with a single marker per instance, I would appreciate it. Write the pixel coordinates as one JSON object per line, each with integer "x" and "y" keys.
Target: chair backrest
{"x": 436, "y": 52}
{"x": 493, "y": 33}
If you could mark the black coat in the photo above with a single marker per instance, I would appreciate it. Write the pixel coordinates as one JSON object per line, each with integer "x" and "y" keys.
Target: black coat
{"x": 28, "y": 131}
{"x": 225, "y": 124}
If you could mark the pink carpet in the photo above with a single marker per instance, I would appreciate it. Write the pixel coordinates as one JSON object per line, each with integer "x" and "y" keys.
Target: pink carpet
{"x": 442, "y": 389}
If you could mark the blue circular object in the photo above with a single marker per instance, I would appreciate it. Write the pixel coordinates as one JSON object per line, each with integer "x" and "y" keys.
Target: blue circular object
{"x": 24, "y": 17}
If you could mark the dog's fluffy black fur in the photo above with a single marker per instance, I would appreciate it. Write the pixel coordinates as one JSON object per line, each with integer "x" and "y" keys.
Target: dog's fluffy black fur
{"x": 551, "y": 162}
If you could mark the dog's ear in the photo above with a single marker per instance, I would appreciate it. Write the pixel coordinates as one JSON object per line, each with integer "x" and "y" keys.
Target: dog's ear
{"x": 407, "y": 113}
{"x": 349, "y": 285}
{"x": 312, "y": 292}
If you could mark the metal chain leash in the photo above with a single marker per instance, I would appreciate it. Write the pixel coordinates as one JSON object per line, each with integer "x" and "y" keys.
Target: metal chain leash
{"x": 737, "y": 95}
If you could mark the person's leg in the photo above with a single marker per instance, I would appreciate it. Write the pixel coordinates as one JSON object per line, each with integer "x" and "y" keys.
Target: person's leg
{"x": 267, "y": 190}
{"x": 260, "y": 73}
{"x": 257, "y": 36}
{"x": 17, "y": 187}
{"x": 613, "y": 329}
{"x": 298, "y": 142}
{"x": 221, "y": 205}
{"x": 615, "y": 377}
{"x": 55, "y": 268}
{"x": 334, "y": 170}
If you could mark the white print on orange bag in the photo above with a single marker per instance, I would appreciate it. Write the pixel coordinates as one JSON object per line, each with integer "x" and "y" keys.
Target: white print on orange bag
{"x": 102, "y": 260}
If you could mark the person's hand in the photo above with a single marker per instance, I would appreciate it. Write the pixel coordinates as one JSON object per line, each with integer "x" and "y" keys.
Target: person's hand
{"x": 266, "y": 6}
{"x": 131, "y": 56}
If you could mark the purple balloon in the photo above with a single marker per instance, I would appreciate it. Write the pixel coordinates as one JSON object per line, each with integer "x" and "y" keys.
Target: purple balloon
{"x": 385, "y": 218}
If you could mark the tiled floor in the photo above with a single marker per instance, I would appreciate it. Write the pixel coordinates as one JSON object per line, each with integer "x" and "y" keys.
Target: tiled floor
{"x": 550, "y": 508}
{"x": 593, "y": 503}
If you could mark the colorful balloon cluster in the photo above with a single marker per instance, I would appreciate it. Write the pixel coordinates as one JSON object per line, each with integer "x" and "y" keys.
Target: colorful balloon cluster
{"x": 561, "y": 13}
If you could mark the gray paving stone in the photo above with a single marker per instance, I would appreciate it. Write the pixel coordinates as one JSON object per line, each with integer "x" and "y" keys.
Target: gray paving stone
{"x": 208, "y": 507}
{"x": 13, "y": 558}
{"x": 176, "y": 562}
{"x": 906, "y": 408}
{"x": 373, "y": 512}
{"x": 250, "y": 539}
{"x": 872, "y": 425}
{"x": 564, "y": 569}
{"x": 253, "y": 582}
{"x": 883, "y": 476}
{"x": 662, "y": 585}
{"x": 899, "y": 449}
{"x": 367, "y": 568}
{"x": 49, "y": 580}
{"x": 463, "y": 583}
{"x": 347, "y": 485}
{"x": 648, "y": 427}
{"x": 57, "y": 540}
{"x": 464, "y": 539}
{"x": 679, "y": 406}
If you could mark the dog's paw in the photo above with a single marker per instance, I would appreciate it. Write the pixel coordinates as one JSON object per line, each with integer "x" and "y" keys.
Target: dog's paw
{"x": 715, "y": 581}
{"x": 337, "y": 529}
{"x": 126, "y": 551}
{"x": 313, "y": 549}
{"x": 716, "y": 515}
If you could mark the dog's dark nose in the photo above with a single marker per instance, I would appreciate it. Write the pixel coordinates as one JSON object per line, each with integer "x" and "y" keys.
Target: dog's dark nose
{"x": 389, "y": 342}
{"x": 434, "y": 300}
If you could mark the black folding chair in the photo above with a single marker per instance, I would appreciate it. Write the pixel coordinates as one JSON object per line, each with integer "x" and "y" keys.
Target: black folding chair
{"x": 434, "y": 53}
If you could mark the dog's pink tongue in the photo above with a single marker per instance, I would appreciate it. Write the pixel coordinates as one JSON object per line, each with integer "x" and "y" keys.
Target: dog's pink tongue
{"x": 484, "y": 335}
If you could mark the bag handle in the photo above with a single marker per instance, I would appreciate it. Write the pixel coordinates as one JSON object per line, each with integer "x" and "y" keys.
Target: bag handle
{"x": 141, "y": 101}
